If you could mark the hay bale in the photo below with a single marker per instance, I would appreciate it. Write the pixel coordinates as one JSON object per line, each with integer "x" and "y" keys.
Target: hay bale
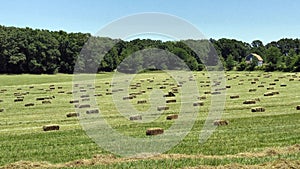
{"x": 268, "y": 94}
{"x": 1, "y": 100}
{"x": 51, "y": 127}
{"x": 283, "y": 85}
{"x": 249, "y": 102}
{"x": 93, "y": 111}
{"x": 108, "y": 93}
{"x": 127, "y": 97}
{"x": 240, "y": 83}
{"x": 18, "y": 100}
{"x": 199, "y": 103}
{"x": 98, "y": 94}
{"x": 171, "y": 101}
{"x": 215, "y": 92}
{"x": 61, "y": 92}
{"x": 207, "y": 92}
{"x": 40, "y": 98}
{"x": 291, "y": 80}
{"x": 84, "y": 96}
{"x": 221, "y": 122}
{"x": 170, "y": 94}
{"x": 149, "y": 88}
{"x": 172, "y": 117}
{"x": 59, "y": 87}
{"x": 298, "y": 107}
{"x": 253, "y": 82}
{"x": 85, "y": 99}
{"x": 261, "y": 85}
{"x": 154, "y": 131}
{"x": 270, "y": 88}
{"x": 275, "y": 92}
{"x": 252, "y": 90}
{"x": 135, "y": 117}
{"x": 1, "y": 110}
{"x": 46, "y": 102}
{"x": 72, "y": 114}
{"x": 74, "y": 101}
{"x": 69, "y": 92}
{"x": 228, "y": 86}
{"x": 201, "y": 97}
{"x": 162, "y": 87}
{"x": 234, "y": 96}
{"x": 272, "y": 84}
{"x": 84, "y": 106}
{"x": 160, "y": 108}
{"x": 29, "y": 104}
{"x": 257, "y": 109}
{"x": 141, "y": 101}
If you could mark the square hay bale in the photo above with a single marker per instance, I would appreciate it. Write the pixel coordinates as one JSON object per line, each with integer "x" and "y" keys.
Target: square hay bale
{"x": 61, "y": 92}
{"x": 249, "y": 102}
{"x": 175, "y": 90}
{"x": 1, "y": 110}
{"x": 283, "y": 85}
{"x": 98, "y": 94}
{"x": 93, "y": 111}
{"x": 268, "y": 94}
{"x": 199, "y": 103}
{"x": 275, "y": 92}
{"x": 234, "y": 96}
{"x": 84, "y": 96}
{"x": 31, "y": 87}
{"x": 298, "y": 107}
{"x": 154, "y": 131}
{"x": 82, "y": 90}
{"x": 18, "y": 100}
{"x": 240, "y": 83}
{"x": 72, "y": 114}
{"x": 74, "y": 101}
{"x": 127, "y": 97}
{"x": 170, "y": 94}
{"x": 291, "y": 80}
{"x": 108, "y": 93}
{"x": 207, "y": 92}
{"x": 85, "y": 99}
{"x": 135, "y": 117}
{"x": 261, "y": 85}
{"x": 270, "y": 88}
{"x": 141, "y": 101}
{"x": 258, "y": 109}
{"x": 228, "y": 86}
{"x": 221, "y": 122}
{"x": 272, "y": 84}
{"x": 172, "y": 117}
{"x": 162, "y": 87}
{"x": 29, "y": 104}
{"x": 215, "y": 92}
{"x": 149, "y": 88}
{"x": 276, "y": 80}
{"x": 1, "y": 100}
{"x": 160, "y": 108}
{"x": 69, "y": 92}
{"x": 84, "y": 106}
{"x": 252, "y": 90}
{"x": 171, "y": 101}
{"x": 46, "y": 102}
{"x": 201, "y": 97}
{"x": 51, "y": 127}
{"x": 59, "y": 87}
{"x": 253, "y": 82}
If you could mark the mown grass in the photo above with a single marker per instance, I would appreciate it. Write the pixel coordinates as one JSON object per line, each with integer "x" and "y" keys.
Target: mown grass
{"x": 22, "y": 138}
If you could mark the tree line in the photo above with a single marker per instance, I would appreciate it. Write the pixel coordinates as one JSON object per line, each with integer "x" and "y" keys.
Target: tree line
{"x": 36, "y": 51}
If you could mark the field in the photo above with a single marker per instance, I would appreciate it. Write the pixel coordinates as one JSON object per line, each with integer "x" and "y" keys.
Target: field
{"x": 270, "y": 138}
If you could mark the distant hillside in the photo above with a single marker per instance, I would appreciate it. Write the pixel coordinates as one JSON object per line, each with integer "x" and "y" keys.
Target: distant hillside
{"x": 26, "y": 50}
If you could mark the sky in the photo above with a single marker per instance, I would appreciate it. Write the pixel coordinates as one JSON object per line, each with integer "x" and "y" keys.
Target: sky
{"x": 245, "y": 20}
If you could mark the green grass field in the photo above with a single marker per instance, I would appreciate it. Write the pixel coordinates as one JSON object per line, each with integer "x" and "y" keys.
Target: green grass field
{"x": 255, "y": 139}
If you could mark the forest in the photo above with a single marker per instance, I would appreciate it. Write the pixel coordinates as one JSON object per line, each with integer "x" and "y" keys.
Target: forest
{"x": 36, "y": 51}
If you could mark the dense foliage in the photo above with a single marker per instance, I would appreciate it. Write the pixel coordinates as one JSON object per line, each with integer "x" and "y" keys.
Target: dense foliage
{"x": 26, "y": 50}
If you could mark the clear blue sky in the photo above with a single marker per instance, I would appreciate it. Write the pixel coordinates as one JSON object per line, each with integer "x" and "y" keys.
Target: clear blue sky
{"x": 244, "y": 20}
